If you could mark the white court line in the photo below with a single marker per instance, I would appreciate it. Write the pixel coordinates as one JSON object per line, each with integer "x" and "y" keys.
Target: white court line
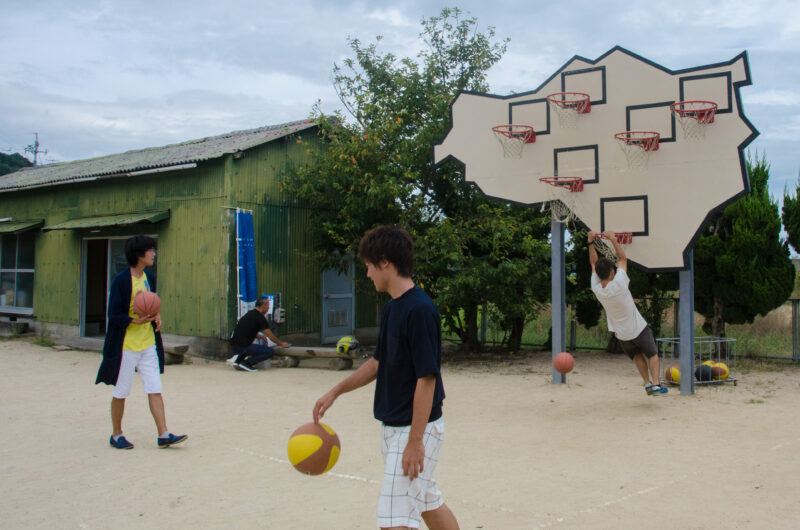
{"x": 286, "y": 462}
{"x": 785, "y": 444}
{"x": 612, "y": 502}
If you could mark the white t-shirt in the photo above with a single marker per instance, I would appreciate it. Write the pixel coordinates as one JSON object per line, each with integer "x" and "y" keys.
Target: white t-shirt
{"x": 624, "y": 320}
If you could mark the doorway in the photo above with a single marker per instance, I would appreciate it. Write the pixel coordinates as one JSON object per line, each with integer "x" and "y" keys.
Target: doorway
{"x": 338, "y": 303}
{"x": 103, "y": 258}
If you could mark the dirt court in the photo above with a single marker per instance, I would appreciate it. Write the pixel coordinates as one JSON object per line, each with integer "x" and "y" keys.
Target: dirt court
{"x": 520, "y": 452}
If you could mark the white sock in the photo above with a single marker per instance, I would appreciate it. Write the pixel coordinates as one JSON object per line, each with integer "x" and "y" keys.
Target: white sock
{"x": 116, "y": 437}
{"x": 165, "y": 434}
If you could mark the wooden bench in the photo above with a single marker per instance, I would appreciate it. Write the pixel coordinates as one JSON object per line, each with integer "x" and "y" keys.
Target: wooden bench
{"x": 173, "y": 353}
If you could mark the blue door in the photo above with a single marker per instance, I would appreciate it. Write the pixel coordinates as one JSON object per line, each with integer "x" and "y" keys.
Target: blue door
{"x": 338, "y": 303}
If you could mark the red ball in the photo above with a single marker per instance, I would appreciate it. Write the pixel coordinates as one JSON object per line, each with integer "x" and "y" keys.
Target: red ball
{"x": 563, "y": 362}
{"x": 146, "y": 303}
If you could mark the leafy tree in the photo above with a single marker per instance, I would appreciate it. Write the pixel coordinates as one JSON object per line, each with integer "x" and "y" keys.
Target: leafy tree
{"x": 376, "y": 168}
{"x": 791, "y": 216}
{"x": 11, "y": 163}
{"x": 742, "y": 269}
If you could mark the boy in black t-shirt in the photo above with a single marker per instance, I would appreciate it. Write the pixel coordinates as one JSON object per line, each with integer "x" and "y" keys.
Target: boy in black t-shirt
{"x": 406, "y": 366}
{"x": 253, "y": 323}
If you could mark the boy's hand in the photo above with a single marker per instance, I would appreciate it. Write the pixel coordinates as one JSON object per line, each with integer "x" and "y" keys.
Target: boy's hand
{"x": 610, "y": 234}
{"x": 591, "y": 235}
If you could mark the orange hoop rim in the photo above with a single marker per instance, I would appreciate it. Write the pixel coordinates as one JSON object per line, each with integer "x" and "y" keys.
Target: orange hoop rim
{"x": 703, "y": 107}
{"x": 516, "y": 132}
{"x": 578, "y": 101}
{"x": 647, "y": 140}
{"x": 623, "y": 238}
{"x": 572, "y": 184}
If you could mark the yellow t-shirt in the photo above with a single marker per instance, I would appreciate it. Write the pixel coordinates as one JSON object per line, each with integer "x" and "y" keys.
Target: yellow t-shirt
{"x": 138, "y": 337}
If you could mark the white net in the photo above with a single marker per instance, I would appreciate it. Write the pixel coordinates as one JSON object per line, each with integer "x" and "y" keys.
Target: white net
{"x": 569, "y": 107}
{"x": 513, "y": 138}
{"x": 694, "y": 117}
{"x": 605, "y": 248}
{"x": 637, "y": 147}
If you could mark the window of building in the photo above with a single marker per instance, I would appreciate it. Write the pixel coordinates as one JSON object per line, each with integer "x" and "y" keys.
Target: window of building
{"x": 16, "y": 270}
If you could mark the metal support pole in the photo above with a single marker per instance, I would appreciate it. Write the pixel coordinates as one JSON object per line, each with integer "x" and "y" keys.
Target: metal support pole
{"x": 795, "y": 355}
{"x": 676, "y": 317}
{"x": 686, "y": 278}
{"x": 573, "y": 334}
{"x": 558, "y": 266}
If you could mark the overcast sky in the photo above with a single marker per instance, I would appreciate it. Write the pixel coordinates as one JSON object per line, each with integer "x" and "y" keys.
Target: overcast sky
{"x": 100, "y": 77}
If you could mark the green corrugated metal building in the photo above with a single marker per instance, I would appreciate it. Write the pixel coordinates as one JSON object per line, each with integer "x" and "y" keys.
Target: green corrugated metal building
{"x": 63, "y": 227}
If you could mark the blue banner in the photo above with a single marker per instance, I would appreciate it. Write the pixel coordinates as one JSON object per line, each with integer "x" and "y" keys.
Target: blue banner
{"x": 245, "y": 240}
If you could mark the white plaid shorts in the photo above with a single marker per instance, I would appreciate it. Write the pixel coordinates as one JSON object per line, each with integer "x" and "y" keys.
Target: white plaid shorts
{"x": 402, "y": 502}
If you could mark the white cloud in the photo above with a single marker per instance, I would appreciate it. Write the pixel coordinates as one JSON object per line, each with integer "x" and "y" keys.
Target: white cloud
{"x": 772, "y": 97}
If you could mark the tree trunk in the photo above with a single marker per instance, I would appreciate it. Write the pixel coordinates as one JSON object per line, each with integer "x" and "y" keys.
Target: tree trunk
{"x": 515, "y": 338}
{"x": 470, "y": 338}
{"x": 717, "y": 323}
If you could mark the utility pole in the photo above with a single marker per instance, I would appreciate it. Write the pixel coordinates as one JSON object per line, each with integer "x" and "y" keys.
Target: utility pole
{"x": 35, "y": 149}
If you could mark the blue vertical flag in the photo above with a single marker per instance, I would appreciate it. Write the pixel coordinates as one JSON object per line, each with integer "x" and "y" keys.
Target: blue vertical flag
{"x": 245, "y": 241}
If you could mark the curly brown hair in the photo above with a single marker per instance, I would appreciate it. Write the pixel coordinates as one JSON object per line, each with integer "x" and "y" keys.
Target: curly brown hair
{"x": 389, "y": 243}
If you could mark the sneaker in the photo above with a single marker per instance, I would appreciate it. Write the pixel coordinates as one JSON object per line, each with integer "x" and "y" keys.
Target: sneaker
{"x": 120, "y": 443}
{"x": 245, "y": 367}
{"x": 171, "y": 440}
{"x": 655, "y": 390}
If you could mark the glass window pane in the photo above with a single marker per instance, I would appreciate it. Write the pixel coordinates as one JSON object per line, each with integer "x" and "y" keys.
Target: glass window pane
{"x": 7, "y": 288}
{"x": 25, "y": 250}
{"x": 24, "y": 289}
{"x": 118, "y": 262}
{"x": 8, "y": 260}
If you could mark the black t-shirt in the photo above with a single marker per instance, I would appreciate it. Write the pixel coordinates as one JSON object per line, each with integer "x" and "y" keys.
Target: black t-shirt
{"x": 409, "y": 347}
{"x": 247, "y": 328}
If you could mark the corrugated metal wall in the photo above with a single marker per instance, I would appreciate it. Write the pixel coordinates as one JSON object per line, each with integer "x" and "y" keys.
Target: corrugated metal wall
{"x": 196, "y": 245}
{"x": 193, "y": 265}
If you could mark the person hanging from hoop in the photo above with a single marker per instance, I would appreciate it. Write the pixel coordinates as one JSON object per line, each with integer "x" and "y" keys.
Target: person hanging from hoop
{"x": 610, "y": 286}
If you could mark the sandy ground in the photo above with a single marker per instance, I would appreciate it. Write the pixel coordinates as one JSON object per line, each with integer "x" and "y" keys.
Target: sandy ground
{"x": 521, "y": 453}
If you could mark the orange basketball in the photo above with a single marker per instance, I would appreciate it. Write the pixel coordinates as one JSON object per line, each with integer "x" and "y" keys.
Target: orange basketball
{"x": 563, "y": 362}
{"x": 146, "y": 303}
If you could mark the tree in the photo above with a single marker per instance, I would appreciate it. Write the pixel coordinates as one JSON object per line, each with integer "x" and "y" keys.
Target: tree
{"x": 791, "y": 216}
{"x": 376, "y": 168}
{"x": 11, "y": 163}
{"x": 742, "y": 268}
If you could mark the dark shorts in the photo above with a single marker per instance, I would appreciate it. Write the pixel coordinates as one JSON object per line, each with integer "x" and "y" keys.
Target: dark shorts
{"x": 644, "y": 343}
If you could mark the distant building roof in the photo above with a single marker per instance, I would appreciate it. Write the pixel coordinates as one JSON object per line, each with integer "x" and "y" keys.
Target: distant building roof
{"x": 148, "y": 159}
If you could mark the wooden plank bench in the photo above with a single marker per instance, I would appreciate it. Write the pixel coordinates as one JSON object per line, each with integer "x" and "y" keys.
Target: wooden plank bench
{"x": 338, "y": 361}
{"x": 173, "y": 353}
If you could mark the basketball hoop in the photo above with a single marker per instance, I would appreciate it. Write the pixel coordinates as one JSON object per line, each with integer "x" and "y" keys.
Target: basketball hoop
{"x": 562, "y": 205}
{"x": 569, "y": 106}
{"x": 513, "y": 138}
{"x": 694, "y": 116}
{"x": 637, "y": 146}
{"x": 606, "y": 248}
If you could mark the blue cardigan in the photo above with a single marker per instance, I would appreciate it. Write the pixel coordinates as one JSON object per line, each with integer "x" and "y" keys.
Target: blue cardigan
{"x": 119, "y": 303}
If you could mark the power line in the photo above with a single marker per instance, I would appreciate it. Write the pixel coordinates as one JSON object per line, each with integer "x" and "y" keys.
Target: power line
{"x": 34, "y": 149}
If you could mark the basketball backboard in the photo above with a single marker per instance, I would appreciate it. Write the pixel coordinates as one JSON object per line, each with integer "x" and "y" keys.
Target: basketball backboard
{"x": 666, "y": 201}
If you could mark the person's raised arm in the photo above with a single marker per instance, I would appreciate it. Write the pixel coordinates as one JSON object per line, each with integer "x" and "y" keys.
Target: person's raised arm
{"x": 365, "y": 374}
{"x": 622, "y": 259}
{"x": 592, "y": 252}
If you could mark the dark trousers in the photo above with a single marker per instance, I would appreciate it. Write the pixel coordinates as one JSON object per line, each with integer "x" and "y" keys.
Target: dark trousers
{"x": 253, "y": 354}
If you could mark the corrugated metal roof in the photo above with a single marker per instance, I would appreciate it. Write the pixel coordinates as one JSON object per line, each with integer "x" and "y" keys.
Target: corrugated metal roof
{"x": 150, "y": 158}
{"x": 14, "y": 227}
{"x": 111, "y": 220}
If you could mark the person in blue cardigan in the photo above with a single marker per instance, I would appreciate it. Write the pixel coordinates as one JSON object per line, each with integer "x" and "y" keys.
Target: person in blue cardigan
{"x": 133, "y": 344}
